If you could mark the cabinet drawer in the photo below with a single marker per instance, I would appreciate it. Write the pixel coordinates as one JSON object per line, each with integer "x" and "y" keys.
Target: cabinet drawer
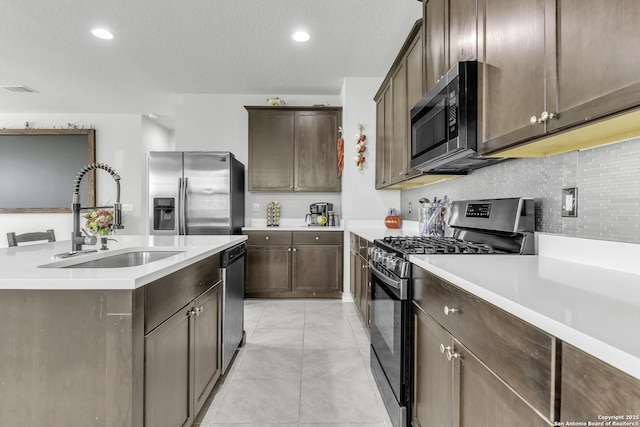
{"x": 317, "y": 238}
{"x": 167, "y": 295}
{"x": 268, "y": 237}
{"x": 519, "y": 353}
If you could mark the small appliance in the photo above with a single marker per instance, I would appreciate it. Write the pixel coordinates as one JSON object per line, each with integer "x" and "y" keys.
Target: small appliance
{"x": 319, "y": 214}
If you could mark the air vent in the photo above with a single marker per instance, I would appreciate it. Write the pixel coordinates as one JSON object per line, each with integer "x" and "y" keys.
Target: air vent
{"x": 20, "y": 89}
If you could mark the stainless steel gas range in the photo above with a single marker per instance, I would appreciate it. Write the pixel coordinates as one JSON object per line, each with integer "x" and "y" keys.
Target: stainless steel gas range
{"x": 480, "y": 227}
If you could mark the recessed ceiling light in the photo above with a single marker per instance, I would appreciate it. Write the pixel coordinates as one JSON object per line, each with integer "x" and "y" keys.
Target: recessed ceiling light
{"x": 301, "y": 36}
{"x": 101, "y": 33}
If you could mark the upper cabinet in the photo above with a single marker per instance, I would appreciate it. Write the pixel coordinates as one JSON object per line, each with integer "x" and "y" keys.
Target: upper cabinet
{"x": 403, "y": 87}
{"x": 512, "y": 72}
{"x": 293, "y": 149}
{"x": 450, "y": 35}
{"x": 554, "y": 65}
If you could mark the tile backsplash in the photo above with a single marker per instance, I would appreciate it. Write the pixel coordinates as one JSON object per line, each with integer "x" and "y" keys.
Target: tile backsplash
{"x": 607, "y": 178}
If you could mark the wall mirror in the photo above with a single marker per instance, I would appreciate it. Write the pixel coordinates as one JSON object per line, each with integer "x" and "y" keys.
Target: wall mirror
{"x": 38, "y": 167}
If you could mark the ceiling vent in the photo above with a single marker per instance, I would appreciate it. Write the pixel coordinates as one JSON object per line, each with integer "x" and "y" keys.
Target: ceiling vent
{"x": 20, "y": 89}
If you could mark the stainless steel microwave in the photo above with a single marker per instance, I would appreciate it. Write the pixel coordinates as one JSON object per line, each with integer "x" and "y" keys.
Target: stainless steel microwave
{"x": 444, "y": 124}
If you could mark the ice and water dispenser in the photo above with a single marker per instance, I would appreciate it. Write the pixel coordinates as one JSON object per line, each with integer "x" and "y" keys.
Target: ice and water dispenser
{"x": 164, "y": 213}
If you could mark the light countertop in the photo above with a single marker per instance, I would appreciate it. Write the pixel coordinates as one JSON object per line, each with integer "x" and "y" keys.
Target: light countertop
{"x": 584, "y": 292}
{"x": 20, "y": 266}
{"x": 289, "y": 224}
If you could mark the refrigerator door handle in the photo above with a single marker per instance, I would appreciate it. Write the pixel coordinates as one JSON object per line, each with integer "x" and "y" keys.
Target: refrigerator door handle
{"x": 185, "y": 187}
{"x": 180, "y": 213}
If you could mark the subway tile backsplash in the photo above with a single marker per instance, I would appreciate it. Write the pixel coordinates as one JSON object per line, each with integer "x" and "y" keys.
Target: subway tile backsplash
{"x": 607, "y": 178}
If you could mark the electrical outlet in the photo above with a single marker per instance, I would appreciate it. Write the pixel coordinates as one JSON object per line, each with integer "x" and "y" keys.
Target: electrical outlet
{"x": 256, "y": 207}
{"x": 127, "y": 207}
{"x": 570, "y": 202}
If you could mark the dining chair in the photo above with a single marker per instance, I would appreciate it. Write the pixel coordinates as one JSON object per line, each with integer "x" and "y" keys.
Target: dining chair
{"x": 14, "y": 239}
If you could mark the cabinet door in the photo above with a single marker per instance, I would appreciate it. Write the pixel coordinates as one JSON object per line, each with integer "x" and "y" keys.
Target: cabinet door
{"x": 463, "y": 31}
{"x": 207, "y": 344}
{"x": 436, "y": 16}
{"x": 381, "y": 111}
{"x": 596, "y": 72}
{"x": 317, "y": 268}
{"x": 512, "y": 72}
{"x": 415, "y": 91}
{"x": 353, "y": 274}
{"x": 398, "y": 143}
{"x": 316, "y": 157}
{"x": 271, "y": 142}
{"x": 482, "y": 399}
{"x": 433, "y": 373}
{"x": 365, "y": 296}
{"x": 268, "y": 269}
{"x": 591, "y": 387}
{"x": 169, "y": 372}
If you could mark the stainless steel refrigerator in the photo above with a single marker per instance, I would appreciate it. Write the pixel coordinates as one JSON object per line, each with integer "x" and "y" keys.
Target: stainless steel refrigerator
{"x": 195, "y": 192}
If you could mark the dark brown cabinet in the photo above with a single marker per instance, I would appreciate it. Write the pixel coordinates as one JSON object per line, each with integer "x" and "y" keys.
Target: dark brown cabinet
{"x": 512, "y": 66}
{"x": 293, "y": 149}
{"x": 592, "y": 388}
{"x": 402, "y": 89}
{"x": 459, "y": 333}
{"x": 433, "y": 374}
{"x": 294, "y": 264}
{"x": 450, "y": 35}
{"x": 182, "y": 352}
{"x": 567, "y": 65}
{"x": 268, "y": 263}
{"x": 360, "y": 277}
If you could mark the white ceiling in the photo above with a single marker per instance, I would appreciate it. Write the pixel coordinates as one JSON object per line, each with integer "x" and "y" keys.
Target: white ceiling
{"x": 167, "y": 47}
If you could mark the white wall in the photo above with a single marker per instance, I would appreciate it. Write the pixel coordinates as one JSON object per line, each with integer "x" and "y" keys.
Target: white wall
{"x": 118, "y": 144}
{"x": 360, "y": 199}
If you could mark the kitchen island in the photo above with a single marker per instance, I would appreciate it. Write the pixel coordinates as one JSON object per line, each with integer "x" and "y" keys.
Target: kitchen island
{"x": 130, "y": 346}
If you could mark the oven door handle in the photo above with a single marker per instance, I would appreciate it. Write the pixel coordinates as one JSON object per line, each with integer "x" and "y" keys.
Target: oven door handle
{"x": 401, "y": 284}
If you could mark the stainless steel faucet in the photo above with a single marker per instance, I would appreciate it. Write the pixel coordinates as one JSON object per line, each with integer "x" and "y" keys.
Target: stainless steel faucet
{"x": 77, "y": 238}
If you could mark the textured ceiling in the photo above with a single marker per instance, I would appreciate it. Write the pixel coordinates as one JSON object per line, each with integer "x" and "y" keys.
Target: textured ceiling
{"x": 166, "y": 47}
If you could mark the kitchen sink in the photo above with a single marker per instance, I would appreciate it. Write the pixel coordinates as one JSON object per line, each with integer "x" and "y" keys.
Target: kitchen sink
{"x": 121, "y": 260}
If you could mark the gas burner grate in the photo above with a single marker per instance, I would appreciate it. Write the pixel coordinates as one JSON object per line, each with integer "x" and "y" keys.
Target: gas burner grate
{"x": 438, "y": 245}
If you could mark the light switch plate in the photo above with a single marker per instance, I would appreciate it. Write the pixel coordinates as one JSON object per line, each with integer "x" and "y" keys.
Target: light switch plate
{"x": 570, "y": 202}
{"x": 127, "y": 207}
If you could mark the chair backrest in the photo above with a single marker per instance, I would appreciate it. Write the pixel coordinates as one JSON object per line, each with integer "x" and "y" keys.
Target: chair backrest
{"x": 14, "y": 239}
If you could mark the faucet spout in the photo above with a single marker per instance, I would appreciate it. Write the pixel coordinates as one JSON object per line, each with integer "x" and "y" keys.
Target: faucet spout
{"x": 77, "y": 239}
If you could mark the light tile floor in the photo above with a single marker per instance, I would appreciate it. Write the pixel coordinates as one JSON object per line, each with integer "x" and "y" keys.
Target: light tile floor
{"x": 305, "y": 363}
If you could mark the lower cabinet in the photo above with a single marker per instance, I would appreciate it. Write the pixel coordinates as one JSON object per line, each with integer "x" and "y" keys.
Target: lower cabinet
{"x": 476, "y": 365}
{"x": 183, "y": 361}
{"x": 360, "y": 283}
{"x": 294, "y": 264}
{"x": 592, "y": 389}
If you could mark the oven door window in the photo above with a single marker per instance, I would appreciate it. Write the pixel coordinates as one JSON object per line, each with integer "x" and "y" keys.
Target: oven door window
{"x": 386, "y": 333}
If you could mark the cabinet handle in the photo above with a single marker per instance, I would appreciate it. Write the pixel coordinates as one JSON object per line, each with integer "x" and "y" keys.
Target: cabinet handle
{"x": 288, "y": 249}
{"x": 448, "y": 311}
{"x": 291, "y": 186}
{"x": 545, "y": 116}
{"x": 451, "y": 356}
{"x": 266, "y": 237}
{"x": 443, "y": 348}
{"x": 295, "y": 250}
{"x": 191, "y": 312}
{"x": 317, "y": 237}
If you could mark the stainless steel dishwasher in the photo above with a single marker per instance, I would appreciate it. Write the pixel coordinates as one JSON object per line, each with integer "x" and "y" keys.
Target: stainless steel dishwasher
{"x": 232, "y": 302}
